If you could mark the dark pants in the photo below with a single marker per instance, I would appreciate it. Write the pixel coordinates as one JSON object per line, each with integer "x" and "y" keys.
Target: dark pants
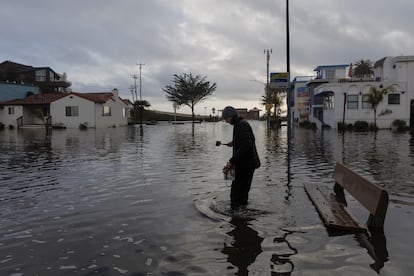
{"x": 240, "y": 187}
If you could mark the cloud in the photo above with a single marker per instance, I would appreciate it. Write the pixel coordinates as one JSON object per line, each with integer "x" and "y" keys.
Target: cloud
{"x": 99, "y": 43}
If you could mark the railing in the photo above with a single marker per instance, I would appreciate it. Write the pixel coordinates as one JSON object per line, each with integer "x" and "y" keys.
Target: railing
{"x": 365, "y": 79}
{"x": 48, "y": 121}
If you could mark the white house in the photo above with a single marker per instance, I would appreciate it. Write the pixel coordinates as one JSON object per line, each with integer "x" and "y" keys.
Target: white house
{"x": 345, "y": 99}
{"x": 67, "y": 109}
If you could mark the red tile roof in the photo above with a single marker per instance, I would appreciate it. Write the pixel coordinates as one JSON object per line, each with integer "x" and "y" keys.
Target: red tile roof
{"x": 95, "y": 97}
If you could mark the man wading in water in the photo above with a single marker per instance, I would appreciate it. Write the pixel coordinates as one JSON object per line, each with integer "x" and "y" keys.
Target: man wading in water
{"x": 244, "y": 160}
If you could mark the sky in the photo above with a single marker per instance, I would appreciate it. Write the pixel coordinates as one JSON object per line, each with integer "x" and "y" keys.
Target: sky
{"x": 98, "y": 43}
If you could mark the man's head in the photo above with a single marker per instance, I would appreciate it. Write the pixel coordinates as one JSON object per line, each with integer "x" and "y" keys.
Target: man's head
{"x": 228, "y": 114}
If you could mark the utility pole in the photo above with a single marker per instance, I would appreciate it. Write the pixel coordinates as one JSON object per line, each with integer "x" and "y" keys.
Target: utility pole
{"x": 134, "y": 76}
{"x": 131, "y": 88}
{"x": 140, "y": 95}
{"x": 267, "y": 52}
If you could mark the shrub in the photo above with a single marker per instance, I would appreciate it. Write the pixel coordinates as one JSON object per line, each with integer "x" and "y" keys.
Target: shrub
{"x": 373, "y": 127}
{"x": 341, "y": 126}
{"x": 83, "y": 126}
{"x": 361, "y": 126}
{"x": 11, "y": 126}
{"x": 345, "y": 127}
{"x": 1, "y": 126}
{"x": 399, "y": 125}
{"x": 308, "y": 125}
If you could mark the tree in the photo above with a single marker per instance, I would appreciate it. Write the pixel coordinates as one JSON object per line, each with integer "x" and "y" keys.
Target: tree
{"x": 142, "y": 104}
{"x": 189, "y": 90}
{"x": 139, "y": 107}
{"x": 274, "y": 100}
{"x": 363, "y": 68}
{"x": 375, "y": 96}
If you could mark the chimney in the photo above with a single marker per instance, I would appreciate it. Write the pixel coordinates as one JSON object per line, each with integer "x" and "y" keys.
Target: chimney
{"x": 115, "y": 92}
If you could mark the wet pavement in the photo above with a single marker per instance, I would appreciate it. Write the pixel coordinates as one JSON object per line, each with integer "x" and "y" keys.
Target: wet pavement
{"x": 112, "y": 202}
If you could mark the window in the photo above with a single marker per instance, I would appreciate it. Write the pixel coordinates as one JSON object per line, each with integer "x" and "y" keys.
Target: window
{"x": 72, "y": 111}
{"x": 106, "y": 111}
{"x": 40, "y": 75}
{"x": 330, "y": 74}
{"x": 329, "y": 102}
{"x": 11, "y": 110}
{"x": 393, "y": 98}
{"x": 126, "y": 112}
{"x": 365, "y": 102}
{"x": 352, "y": 101}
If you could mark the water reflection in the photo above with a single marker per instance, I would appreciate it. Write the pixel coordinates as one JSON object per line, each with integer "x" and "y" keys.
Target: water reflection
{"x": 129, "y": 198}
{"x": 376, "y": 245}
{"x": 244, "y": 247}
{"x": 281, "y": 263}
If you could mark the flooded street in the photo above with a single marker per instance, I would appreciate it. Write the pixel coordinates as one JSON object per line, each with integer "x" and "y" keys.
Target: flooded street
{"x": 112, "y": 202}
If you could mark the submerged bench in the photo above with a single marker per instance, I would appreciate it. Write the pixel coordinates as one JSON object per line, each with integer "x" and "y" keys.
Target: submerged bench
{"x": 331, "y": 203}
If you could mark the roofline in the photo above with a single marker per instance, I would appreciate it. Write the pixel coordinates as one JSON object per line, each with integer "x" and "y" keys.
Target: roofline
{"x": 331, "y": 66}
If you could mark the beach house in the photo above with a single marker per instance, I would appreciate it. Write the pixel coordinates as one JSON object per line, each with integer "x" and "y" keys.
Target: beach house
{"x": 68, "y": 110}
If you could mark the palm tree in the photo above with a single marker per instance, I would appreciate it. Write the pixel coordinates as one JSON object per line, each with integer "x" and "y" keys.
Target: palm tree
{"x": 363, "y": 68}
{"x": 272, "y": 100}
{"x": 375, "y": 96}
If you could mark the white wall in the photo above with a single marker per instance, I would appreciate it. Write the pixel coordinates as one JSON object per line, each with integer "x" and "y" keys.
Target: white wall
{"x": 90, "y": 112}
{"x": 10, "y": 119}
{"x": 400, "y": 111}
{"x": 86, "y": 112}
{"x": 116, "y": 119}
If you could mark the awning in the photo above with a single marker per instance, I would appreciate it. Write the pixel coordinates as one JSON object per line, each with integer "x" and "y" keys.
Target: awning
{"x": 324, "y": 93}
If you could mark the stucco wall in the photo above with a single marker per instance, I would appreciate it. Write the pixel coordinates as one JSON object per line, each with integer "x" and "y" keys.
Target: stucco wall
{"x": 116, "y": 118}
{"x": 10, "y": 119}
{"x": 86, "y": 110}
{"x": 398, "y": 111}
{"x": 90, "y": 112}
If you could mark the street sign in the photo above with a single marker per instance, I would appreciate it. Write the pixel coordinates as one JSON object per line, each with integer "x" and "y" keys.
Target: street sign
{"x": 279, "y": 80}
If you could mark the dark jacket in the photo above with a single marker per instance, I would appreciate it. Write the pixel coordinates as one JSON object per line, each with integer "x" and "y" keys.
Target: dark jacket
{"x": 244, "y": 146}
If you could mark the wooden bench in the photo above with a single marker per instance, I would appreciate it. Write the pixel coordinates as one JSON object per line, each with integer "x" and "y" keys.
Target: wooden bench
{"x": 331, "y": 205}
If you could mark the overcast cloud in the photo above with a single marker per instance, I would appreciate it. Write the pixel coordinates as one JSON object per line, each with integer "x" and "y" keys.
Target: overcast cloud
{"x": 98, "y": 42}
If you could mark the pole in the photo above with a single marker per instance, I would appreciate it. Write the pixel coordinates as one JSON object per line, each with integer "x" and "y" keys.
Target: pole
{"x": 289, "y": 122}
{"x": 140, "y": 96}
{"x": 343, "y": 113}
{"x": 267, "y": 52}
{"x": 134, "y": 91}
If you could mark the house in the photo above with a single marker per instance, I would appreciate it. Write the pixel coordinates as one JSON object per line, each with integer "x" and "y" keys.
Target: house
{"x": 345, "y": 99}
{"x": 11, "y": 91}
{"x": 67, "y": 110}
{"x": 301, "y": 98}
{"x": 44, "y": 77}
{"x": 331, "y": 72}
{"x": 306, "y": 105}
{"x": 253, "y": 114}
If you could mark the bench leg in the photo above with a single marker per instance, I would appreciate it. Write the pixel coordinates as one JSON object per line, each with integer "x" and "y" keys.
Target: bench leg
{"x": 377, "y": 220}
{"x": 340, "y": 194}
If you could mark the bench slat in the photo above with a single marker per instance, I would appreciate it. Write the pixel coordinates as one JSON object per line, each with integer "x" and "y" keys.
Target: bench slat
{"x": 370, "y": 195}
{"x": 332, "y": 211}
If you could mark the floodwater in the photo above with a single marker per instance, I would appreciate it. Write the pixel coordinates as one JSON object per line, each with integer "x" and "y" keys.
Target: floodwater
{"x": 112, "y": 202}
